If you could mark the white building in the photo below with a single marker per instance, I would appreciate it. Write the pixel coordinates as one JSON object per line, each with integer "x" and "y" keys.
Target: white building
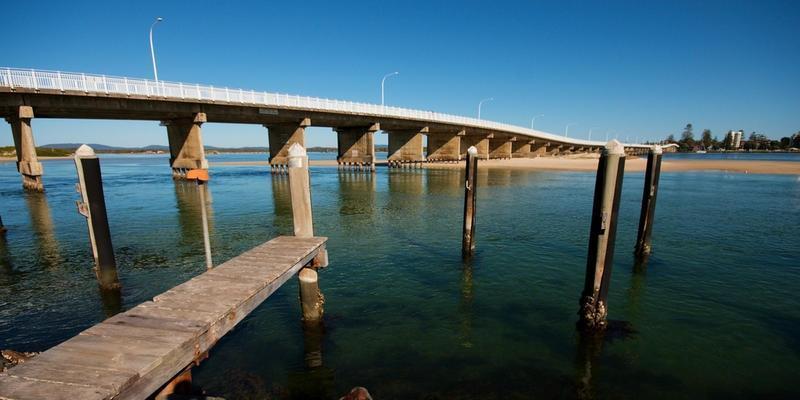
{"x": 735, "y": 139}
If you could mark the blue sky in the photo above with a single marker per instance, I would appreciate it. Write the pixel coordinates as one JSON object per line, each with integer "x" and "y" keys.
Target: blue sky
{"x": 635, "y": 68}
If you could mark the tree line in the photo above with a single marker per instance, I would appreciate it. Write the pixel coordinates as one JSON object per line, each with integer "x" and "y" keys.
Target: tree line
{"x": 755, "y": 141}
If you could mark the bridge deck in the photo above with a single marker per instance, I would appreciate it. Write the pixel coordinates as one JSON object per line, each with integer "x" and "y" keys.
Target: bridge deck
{"x": 133, "y": 354}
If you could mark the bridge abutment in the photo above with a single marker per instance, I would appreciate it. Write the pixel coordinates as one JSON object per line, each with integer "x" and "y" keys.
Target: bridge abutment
{"x": 445, "y": 147}
{"x": 481, "y": 143}
{"x": 28, "y": 164}
{"x": 281, "y": 137}
{"x": 500, "y": 148}
{"x": 357, "y": 147}
{"x": 186, "y": 144}
{"x": 405, "y": 147}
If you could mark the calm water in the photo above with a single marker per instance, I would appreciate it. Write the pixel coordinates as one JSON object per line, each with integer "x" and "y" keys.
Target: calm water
{"x": 715, "y": 311}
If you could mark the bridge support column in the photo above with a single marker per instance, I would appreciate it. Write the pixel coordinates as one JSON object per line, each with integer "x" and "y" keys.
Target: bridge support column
{"x": 481, "y": 143}
{"x": 602, "y": 234}
{"x": 538, "y": 149}
{"x": 444, "y": 146}
{"x": 405, "y": 147}
{"x": 281, "y": 136}
{"x": 554, "y": 149}
{"x": 28, "y": 164}
{"x": 500, "y": 148}
{"x": 521, "y": 148}
{"x": 186, "y": 145}
{"x": 357, "y": 147}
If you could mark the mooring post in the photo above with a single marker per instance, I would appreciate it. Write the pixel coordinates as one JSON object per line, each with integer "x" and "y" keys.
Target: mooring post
{"x": 651, "y": 177}
{"x": 93, "y": 206}
{"x": 2, "y": 227}
{"x": 201, "y": 177}
{"x": 468, "y": 240}
{"x": 311, "y": 298}
{"x": 608, "y": 188}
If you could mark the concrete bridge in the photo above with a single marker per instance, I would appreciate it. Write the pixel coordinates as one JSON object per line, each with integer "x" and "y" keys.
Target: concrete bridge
{"x": 26, "y": 94}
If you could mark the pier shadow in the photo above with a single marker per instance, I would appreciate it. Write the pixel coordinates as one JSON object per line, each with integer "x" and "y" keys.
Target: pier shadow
{"x": 190, "y": 215}
{"x": 5, "y": 256}
{"x": 48, "y": 250}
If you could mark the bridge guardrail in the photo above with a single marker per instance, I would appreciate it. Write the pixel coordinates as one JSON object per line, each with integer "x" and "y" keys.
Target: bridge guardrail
{"x": 92, "y": 83}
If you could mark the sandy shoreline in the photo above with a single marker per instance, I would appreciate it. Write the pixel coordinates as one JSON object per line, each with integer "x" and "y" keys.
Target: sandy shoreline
{"x": 574, "y": 163}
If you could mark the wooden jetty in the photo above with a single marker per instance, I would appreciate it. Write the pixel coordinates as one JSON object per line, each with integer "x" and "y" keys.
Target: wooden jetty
{"x": 133, "y": 354}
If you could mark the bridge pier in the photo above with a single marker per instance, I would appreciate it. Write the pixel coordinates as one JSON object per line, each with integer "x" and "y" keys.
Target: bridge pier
{"x": 500, "y": 148}
{"x": 538, "y": 149}
{"x": 186, "y": 144}
{"x": 357, "y": 147}
{"x": 481, "y": 143}
{"x": 28, "y": 164}
{"x": 405, "y": 147}
{"x": 554, "y": 149}
{"x": 521, "y": 148}
{"x": 444, "y": 146}
{"x": 281, "y": 136}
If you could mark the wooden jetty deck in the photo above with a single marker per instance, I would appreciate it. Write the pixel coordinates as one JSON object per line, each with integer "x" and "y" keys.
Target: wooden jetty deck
{"x": 133, "y": 354}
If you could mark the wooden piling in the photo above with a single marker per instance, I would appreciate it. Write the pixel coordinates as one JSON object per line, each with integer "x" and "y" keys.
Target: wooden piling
{"x": 651, "y": 177}
{"x": 608, "y": 188}
{"x": 468, "y": 240}
{"x": 93, "y": 207}
{"x": 311, "y": 298}
{"x": 2, "y": 227}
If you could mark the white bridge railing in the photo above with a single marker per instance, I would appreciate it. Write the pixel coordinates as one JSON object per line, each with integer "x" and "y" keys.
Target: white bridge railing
{"x": 112, "y": 85}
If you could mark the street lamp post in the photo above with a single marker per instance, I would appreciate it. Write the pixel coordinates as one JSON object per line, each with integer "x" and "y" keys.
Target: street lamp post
{"x": 534, "y": 119}
{"x": 590, "y": 131}
{"x": 152, "y": 50}
{"x": 481, "y": 104}
{"x": 383, "y": 82}
{"x": 566, "y": 128}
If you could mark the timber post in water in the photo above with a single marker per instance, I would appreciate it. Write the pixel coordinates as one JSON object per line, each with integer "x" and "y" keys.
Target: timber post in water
{"x": 93, "y": 206}
{"x": 468, "y": 239}
{"x": 311, "y": 298}
{"x": 2, "y": 227}
{"x": 608, "y": 188}
{"x": 651, "y": 177}
{"x": 201, "y": 176}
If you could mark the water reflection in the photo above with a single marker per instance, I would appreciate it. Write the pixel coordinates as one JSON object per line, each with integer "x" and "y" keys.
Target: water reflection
{"x": 465, "y": 306}
{"x": 407, "y": 181}
{"x": 42, "y": 223}
{"x": 356, "y": 194}
{"x": 444, "y": 181}
{"x": 586, "y": 364}
{"x": 112, "y": 301}
{"x": 5, "y": 255}
{"x": 190, "y": 216}
{"x": 315, "y": 381}
{"x": 281, "y": 197}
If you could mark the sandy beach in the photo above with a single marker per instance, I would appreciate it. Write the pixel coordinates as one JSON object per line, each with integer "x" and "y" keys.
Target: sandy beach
{"x": 584, "y": 163}
{"x": 568, "y": 163}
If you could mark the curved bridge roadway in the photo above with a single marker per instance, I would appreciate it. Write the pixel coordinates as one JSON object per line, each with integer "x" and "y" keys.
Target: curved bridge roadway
{"x": 26, "y": 94}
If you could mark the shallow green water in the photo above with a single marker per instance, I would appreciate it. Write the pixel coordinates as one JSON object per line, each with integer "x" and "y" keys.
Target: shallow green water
{"x": 715, "y": 311}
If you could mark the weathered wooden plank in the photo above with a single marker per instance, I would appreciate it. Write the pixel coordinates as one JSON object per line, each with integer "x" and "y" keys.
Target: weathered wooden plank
{"x": 16, "y": 388}
{"x": 74, "y": 374}
{"x": 131, "y": 355}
